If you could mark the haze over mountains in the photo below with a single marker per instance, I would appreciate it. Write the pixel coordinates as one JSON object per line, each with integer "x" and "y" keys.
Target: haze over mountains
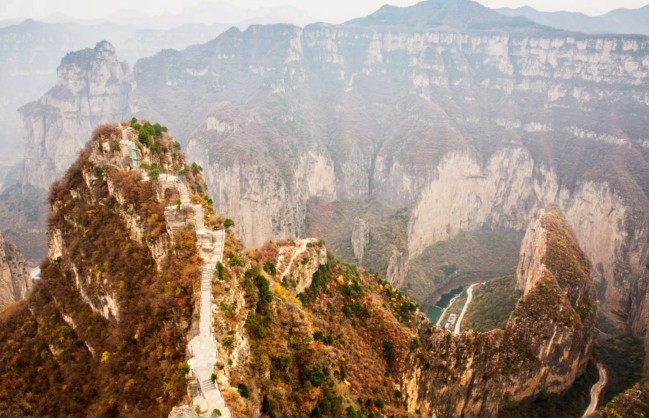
{"x": 420, "y": 143}
{"x": 616, "y": 21}
{"x": 259, "y": 89}
{"x": 31, "y": 50}
{"x": 30, "y": 68}
{"x": 289, "y": 117}
{"x": 443, "y": 13}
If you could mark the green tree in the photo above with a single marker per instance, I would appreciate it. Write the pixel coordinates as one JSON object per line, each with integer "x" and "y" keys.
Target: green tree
{"x": 269, "y": 267}
{"x": 243, "y": 390}
{"x": 219, "y": 269}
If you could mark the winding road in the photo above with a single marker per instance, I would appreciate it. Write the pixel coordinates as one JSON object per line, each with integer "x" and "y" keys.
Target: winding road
{"x": 596, "y": 390}
{"x": 303, "y": 247}
{"x": 439, "y": 320}
{"x": 469, "y": 298}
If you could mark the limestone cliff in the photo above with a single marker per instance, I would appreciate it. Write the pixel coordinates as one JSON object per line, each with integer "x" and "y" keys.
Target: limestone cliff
{"x": 543, "y": 349}
{"x": 511, "y": 188}
{"x": 117, "y": 294}
{"x": 287, "y": 328}
{"x": 15, "y": 280}
{"x": 468, "y": 126}
{"x": 360, "y": 238}
{"x": 93, "y": 88}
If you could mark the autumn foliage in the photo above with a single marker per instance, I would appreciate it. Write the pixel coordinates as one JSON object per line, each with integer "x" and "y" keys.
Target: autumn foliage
{"x": 104, "y": 333}
{"x": 335, "y": 351}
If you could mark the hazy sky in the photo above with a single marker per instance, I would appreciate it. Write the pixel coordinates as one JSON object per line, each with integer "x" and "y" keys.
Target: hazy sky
{"x": 329, "y": 10}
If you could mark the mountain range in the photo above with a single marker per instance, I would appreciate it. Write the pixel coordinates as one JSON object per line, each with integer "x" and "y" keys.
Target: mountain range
{"x": 303, "y": 332}
{"x": 616, "y": 21}
{"x": 442, "y": 147}
{"x": 457, "y": 14}
{"x": 31, "y": 50}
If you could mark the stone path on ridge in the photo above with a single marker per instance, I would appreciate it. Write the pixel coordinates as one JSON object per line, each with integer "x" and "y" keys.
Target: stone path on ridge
{"x": 203, "y": 347}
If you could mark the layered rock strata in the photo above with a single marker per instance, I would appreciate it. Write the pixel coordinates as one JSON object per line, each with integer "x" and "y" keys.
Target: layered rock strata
{"x": 545, "y": 346}
{"x": 15, "y": 279}
{"x": 93, "y": 88}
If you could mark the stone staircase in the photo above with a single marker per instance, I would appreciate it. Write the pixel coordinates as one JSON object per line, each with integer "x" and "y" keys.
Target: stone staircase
{"x": 203, "y": 349}
{"x": 208, "y": 385}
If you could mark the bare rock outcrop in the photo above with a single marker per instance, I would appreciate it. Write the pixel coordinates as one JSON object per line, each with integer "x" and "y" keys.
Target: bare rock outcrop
{"x": 15, "y": 280}
{"x": 183, "y": 412}
{"x": 360, "y": 238}
{"x": 93, "y": 88}
{"x": 543, "y": 349}
{"x": 328, "y": 123}
{"x": 297, "y": 262}
{"x": 397, "y": 268}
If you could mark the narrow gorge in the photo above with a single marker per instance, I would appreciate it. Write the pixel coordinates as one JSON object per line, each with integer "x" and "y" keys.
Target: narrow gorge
{"x": 425, "y": 134}
{"x": 340, "y": 182}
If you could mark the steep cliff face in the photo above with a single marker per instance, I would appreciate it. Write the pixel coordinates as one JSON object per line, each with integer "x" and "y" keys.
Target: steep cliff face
{"x": 294, "y": 331}
{"x": 543, "y": 349}
{"x": 507, "y": 192}
{"x": 116, "y": 298}
{"x": 269, "y": 199}
{"x": 360, "y": 238}
{"x": 469, "y": 127}
{"x": 93, "y": 88}
{"x": 317, "y": 349}
{"x": 15, "y": 280}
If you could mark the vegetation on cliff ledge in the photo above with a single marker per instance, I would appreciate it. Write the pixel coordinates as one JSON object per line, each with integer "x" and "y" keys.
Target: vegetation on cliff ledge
{"x": 632, "y": 403}
{"x": 104, "y": 332}
{"x": 336, "y": 350}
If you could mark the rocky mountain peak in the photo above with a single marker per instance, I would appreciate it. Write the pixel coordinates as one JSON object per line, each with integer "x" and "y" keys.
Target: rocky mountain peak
{"x": 86, "y": 58}
{"x": 93, "y": 88}
{"x": 521, "y": 361}
{"x": 116, "y": 295}
{"x": 452, "y": 14}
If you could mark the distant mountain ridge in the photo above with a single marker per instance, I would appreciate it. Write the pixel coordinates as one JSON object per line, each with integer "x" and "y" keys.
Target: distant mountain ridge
{"x": 203, "y": 13}
{"x": 622, "y": 21}
{"x": 458, "y": 14}
{"x": 30, "y": 50}
{"x": 433, "y": 126}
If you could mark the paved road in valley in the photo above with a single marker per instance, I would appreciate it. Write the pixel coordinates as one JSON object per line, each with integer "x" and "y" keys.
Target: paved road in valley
{"x": 596, "y": 390}
{"x": 439, "y": 320}
{"x": 469, "y": 298}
